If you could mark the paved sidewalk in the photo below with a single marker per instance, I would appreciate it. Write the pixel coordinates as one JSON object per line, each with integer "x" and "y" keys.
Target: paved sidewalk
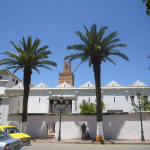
{"x": 90, "y": 141}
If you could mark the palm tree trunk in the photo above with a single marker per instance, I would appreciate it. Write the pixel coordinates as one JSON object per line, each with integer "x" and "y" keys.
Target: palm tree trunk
{"x": 26, "y": 81}
{"x": 97, "y": 75}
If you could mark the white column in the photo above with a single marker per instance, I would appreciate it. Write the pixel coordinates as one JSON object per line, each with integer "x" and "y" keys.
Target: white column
{"x": 76, "y": 102}
{"x": 73, "y": 106}
{"x": 47, "y": 103}
{"x": 126, "y": 97}
{"x": 47, "y": 106}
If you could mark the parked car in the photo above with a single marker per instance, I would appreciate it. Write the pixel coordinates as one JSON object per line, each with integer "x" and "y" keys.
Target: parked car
{"x": 15, "y": 133}
{"x": 9, "y": 143}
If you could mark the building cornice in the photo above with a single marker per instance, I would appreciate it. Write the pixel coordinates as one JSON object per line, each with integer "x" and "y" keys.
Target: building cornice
{"x": 82, "y": 88}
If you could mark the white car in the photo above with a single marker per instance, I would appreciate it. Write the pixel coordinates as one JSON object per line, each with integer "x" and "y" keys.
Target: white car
{"x": 9, "y": 143}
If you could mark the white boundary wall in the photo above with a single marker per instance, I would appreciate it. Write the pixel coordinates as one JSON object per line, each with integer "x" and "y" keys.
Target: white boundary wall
{"x": 115, "y": 126}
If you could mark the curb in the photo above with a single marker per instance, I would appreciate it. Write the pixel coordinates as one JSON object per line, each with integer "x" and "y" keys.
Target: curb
{"x": 106, "y": 143}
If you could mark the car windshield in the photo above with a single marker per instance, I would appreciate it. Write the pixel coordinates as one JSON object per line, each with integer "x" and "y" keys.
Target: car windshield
{"x": 4, "y": 136}
{"x": 11, "y": 130}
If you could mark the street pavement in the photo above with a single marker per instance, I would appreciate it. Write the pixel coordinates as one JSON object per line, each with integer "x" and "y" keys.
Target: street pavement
{"x": 80, "y": 144}
{"x": 73, "y": 146}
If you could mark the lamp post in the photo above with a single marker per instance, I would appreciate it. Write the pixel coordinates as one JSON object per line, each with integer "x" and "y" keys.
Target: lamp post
{"x": 140, "y": 107}
{"x": 61, "y": 108}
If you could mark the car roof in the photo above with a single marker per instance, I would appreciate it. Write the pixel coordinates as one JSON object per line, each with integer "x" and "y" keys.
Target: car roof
{"x": 4, "y": 126}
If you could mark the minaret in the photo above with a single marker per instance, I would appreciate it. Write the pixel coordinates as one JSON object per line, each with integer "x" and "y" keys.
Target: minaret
{"x": 66, "y": 75}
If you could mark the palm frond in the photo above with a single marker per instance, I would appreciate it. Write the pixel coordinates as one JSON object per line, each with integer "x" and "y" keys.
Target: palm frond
{"x": 77, "y": 47}
{"x": 73, "y": 56}
{"x": 83, "y": 59}
{"x": 23, "y": 44}
{"x": 117, "y": 45}
{"x": 43, "y": 66}
{"x": 29, "y": 43}
{"x": 94, "y": 30}
{"x": 110, "y": 60}
{"x": 40, "y": 50}
{"x": 88, "y": 34}
{"x": 17, "y": 47}
{"x": 82, "y": 37}
{"x": 35, "y": 45}
{"x": 36, "y": 70}
{"x": 113, "y": 41}
{"x": 12, "y": 67}
{"x": 121, "y": 55}
{"x": 101, "y": 33}
{"x": 90, "y": 63}
{"x": 17, "y": 69}
{"x": 108, "y": 38}
{"x": 47, "y": 63}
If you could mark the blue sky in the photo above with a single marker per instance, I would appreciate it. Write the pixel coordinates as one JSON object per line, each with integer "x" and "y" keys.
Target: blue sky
{"x": 55, "y": 21}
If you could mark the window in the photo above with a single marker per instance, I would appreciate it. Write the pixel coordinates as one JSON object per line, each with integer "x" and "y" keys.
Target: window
{"x": 89, "y": 99}
{"x": 13, "y": 79}
{"x": 16, "y": 82}
{"x": 114, "y": 99}
{"x": 0, "y": 77}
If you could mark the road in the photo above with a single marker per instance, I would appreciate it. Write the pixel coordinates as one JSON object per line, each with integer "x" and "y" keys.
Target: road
{"x": 61, "y": 146}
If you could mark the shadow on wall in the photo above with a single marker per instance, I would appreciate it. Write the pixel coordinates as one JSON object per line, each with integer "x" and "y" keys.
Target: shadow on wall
{"x": 37, "y": 127}
{"x": 112, "y": 126}
{"x": 123, "y": 126}
{"x": 14, "y": 121}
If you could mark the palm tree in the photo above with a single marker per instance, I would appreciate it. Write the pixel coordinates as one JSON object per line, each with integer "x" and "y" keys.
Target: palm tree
{"x": 96, "y": 49}
{"x": 30, "y": 57}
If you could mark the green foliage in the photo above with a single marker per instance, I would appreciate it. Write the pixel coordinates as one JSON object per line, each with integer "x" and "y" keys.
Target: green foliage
{"x": 29, "y": 56}
{"x": 147, "y": 4}
{"x": 58, "y": 97}
{"x": 145, "y": 106}
{"x": 95, "y": 46}
{"x": 87, "y": 108}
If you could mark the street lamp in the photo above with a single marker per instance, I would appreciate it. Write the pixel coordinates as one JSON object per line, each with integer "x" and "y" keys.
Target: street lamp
{"x": 139, "y": 107}
{"x": 61, "y": 108}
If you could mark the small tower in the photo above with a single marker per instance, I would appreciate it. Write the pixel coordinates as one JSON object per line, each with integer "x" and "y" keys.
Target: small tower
{"x": 66, "y": 75}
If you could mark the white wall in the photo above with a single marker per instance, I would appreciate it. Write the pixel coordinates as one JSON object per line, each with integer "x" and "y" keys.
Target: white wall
{"x": 39, "y": 103}
{"x": 10, "y": 105}
{"x": 4, "y": 109}
{"x": 15, "y": 104}
{"x": 115, "y": 126}
{"x": 12, "y": 83}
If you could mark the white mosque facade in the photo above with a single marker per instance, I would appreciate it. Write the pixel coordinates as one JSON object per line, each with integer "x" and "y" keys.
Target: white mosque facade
{"x": 116, "y": 97}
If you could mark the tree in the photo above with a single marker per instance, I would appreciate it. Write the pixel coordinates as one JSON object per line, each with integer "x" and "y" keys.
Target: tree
{"x": 96, "y": 49}
{"x": 87, "y": 108}
{"x": 145, "y": 106}
{"x": 147, "y": 3}
{"x": 29, "y": 57}
{"x": 103, "y": 105}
